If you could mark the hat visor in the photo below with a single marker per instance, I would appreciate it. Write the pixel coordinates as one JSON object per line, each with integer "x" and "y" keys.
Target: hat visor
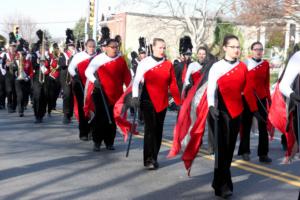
{"x": 187, "y": 54}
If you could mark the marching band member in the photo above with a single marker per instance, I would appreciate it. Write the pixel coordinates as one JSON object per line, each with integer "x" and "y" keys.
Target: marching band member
{"x": 40, "y": 63}
{"x": 111, "y": 73}
{"x": 77, "y": 69}
{"x": 259, "y": 77}
{"x": 10, "y": 63}
{"x": 226, "y": 82}
{"x": 158, "y": 75}
{"x": 2, "y": 79}
{"x": 24, "y": 77}
{"x": 65, "y": 78}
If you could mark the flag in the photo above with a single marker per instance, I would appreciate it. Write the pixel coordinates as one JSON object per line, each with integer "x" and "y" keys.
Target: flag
{"x": 191, "y": 121}
{"x": 278, "y": 118}
{"x": 120, "y": 114}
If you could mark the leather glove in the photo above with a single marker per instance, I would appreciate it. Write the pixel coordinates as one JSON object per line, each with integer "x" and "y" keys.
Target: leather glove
{"x": 259, "y": 117}
{"x": 186, "y": 89}
{"x": 97, "y": 84}
{"x": 135, "y": 102}
{"x": 295, "y": 97}
{"x": 214, "y": 112}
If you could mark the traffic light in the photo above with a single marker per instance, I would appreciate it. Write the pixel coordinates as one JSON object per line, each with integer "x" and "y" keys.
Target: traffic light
{"x": 91, "y": 12}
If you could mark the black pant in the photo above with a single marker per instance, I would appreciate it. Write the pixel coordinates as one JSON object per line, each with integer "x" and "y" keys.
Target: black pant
{"x": 10, "y": 91}
{"x": 101, "y": 129}
{"x": 67, "y": 93}
{"x": 53, "y": 92}
{"x": 225, "y": 139}
{"x": 2, "y": 90}
{"x": 154, "y": 123}
{"x": 39, "y": 98}
{"x": 210, "y": 134}
{"x": 263, "y": 140}
{"x": 78, "y": 91}
{"x": 22, "y": 90}
{"x": 227, "y": 134}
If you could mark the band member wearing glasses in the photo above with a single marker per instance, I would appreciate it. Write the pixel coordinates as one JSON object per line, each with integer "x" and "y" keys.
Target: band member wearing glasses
{"x": 159, "y": 76}
{"x": 226, "y": 82}
{"x": 259, "y": 76}
{"x": 112, "y": 73}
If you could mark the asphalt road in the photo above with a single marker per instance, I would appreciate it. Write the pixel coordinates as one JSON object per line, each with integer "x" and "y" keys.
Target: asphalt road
{"x": 48, "y": 161}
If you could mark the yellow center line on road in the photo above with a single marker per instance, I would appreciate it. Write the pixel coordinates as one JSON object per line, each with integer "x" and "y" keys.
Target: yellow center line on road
{"x": 268, "y": 169}
{"x": 250, "y": 167}
{"x": 241, "y": 164}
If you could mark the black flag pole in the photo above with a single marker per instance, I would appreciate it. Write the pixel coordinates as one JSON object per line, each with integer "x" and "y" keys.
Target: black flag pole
{"x": 131, "y": 132}
{"x": 104, "y": 101}
{"x": 262, "y": 105}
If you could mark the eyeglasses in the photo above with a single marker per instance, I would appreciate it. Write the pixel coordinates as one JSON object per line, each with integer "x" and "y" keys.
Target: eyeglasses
{"x": 261, "y": 49}
{"x": 113, "y": 47}
{"x": 234, "y": 47}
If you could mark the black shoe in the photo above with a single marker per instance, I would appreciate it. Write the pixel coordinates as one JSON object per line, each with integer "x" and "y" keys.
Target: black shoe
{"x": 96, "y": 147}
{"x": 110, "y": 147}
{"x": 151, "y": 165}
{"x": 224, "y": 193}
{"x": 21, "y": 115}
{"x": 265, "y": 159}
{"x": 246, "y": 157}
{"x": 155, "y": 165}
{"x": 2, "y": 107}
{"x": 84, "y": 138}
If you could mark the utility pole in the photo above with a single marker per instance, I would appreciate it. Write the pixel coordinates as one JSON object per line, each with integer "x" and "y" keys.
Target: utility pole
{"x": 91, "y": 20}
{"x": 96, "y": 8}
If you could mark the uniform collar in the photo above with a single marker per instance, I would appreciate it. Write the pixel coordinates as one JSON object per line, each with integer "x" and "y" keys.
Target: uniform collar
{"x": 230, "y": 61}
{"x": 257, "y": 60}
{"x": 157, "y": 59}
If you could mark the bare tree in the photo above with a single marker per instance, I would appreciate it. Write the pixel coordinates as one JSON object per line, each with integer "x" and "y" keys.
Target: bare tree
{"x": 254, "y": 12}
{"x": 291, "y": 8}
{"x": 27, "y": 27}
{"x": 197, "y": 17}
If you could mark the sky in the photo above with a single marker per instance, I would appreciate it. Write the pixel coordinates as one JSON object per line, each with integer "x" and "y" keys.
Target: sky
{"x": 54, "y": 15}
{"x": 58, "y": 15}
